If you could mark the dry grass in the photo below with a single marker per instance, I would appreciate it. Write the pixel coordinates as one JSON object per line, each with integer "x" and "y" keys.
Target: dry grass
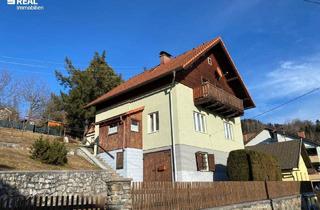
{"x": 19, "y": 158}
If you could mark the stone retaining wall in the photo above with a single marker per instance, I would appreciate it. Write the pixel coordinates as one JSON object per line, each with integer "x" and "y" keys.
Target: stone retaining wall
{"x": 51, "y": 183}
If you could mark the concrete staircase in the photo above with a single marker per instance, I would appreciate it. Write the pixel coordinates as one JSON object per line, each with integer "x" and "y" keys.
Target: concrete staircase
{"x": 98, "y": 161}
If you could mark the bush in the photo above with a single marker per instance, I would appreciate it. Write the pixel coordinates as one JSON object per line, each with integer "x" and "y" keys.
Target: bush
{"x": 264, "y": 167}
{"x": 238, "y": 166}
{"x": 40, "y": 148}
{"x": 247, "y": 165}
{"x": 54, "y": 153}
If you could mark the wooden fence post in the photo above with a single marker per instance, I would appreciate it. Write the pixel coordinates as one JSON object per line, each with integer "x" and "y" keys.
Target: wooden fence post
{"x": 268, "y": 194}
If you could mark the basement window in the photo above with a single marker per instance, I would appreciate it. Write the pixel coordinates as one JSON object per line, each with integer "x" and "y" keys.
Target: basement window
{"x": 205, "y": 161}
{"x": 153, "y": 122}
{"x": 199, "y": 122}
{"x": 134, "y": 125}
{"x": 202, "y": 161}
{"x": 113, "y": 128}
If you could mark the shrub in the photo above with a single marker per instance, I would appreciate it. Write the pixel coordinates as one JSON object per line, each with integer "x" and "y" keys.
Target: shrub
{"x": 238, "y": 166}
{"x": 247, "y": 165}
{"x": 264, "y": 167}
{"x": 54, "y": 153}
{"x": 57, "y": 154}
{"x": 40, "y": 148}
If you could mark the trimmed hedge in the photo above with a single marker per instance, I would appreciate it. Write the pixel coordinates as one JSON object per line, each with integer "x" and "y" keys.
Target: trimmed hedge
{"x": 248, "y": 165}
{"x": 54, "y": 153}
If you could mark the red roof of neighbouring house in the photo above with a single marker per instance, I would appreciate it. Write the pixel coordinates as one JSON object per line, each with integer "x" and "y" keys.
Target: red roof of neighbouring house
{"x": 180, "y": 62}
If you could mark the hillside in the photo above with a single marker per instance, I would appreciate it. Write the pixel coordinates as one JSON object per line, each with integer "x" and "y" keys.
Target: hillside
{"x": 311, "y": 129}
{"x": 15, "y": 147}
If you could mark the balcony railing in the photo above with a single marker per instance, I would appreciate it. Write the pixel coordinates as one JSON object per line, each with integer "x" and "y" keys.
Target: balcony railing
{"x": 218, "y": 100}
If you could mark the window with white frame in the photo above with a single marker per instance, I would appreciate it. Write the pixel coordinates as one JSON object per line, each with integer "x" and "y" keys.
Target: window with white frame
{"x": 199, "y": 122}
{"x": 228, "y": 130}
{"x": 134, "y": 125}
{"x": 113, "y": 128}
{"x": 153, "y": 122}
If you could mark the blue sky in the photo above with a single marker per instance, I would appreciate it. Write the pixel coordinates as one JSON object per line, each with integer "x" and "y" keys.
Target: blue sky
{"x": 274, "y": 44}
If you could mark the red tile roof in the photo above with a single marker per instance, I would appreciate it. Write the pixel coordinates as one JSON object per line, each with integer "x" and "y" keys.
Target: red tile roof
{"x": 180, "y": 62}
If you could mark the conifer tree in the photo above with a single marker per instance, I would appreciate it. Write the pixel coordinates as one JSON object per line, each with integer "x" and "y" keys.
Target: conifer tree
{"x": 82, "y": 87}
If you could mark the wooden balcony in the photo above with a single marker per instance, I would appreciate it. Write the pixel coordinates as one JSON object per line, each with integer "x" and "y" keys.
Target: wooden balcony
{"x": 218, "y": 100}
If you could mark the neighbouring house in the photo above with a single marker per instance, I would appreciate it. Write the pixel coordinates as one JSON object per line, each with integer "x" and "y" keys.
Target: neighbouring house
{"x": 270, "y": 135}
{"x": 8, "y": 113}
{"x": 292, "y": 156}
{"x": 89, "y": 136}
{"x": 53, "y": 123}
{"x": 177, "y": 121}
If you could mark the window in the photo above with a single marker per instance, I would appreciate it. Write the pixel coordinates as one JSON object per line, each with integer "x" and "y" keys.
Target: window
{"x": 113, "y": 128}
{"x": 204, "y": 80}
{"x": 153, "y": 122}
{"x": 134, "y": 125}
{"x": 228, "y": 130}
{"x": 205, "y": 161}
{"x": 209, "y": 61}
{"x": 119, "y": 160}
{"x": 199, "y": 122}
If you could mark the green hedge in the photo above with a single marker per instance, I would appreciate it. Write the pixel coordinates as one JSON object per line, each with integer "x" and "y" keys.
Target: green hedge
{"x": 54, "y": 153}
{"x": 248, "y": 165}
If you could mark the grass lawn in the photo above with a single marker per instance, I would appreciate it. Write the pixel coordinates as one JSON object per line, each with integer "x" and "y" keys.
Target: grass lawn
{"x": 19, "y": 158}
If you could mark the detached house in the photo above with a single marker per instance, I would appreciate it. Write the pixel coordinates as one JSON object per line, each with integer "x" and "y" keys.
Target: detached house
{"x": 271, "y": 136}
{"x": 177, "y": 121}
{"x": 292, "y": 156}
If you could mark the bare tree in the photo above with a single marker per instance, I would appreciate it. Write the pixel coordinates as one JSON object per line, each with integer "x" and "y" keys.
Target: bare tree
{"x": 5, "y": 80}
{"x": 35, "y": 94}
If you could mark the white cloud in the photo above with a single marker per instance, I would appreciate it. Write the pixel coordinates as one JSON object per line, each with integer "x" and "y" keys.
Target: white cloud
{"x": 287, "y": 81}
{"x": 290, "y": 78}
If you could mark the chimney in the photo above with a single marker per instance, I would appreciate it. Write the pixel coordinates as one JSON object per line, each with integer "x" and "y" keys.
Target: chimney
{"x": 302, "y": 134}
{"x": 164, "y": 57}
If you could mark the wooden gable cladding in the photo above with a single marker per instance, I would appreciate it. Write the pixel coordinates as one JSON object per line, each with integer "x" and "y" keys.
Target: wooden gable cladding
{"x": 202, "y": 71}
{"x": 233, "y": 77}
{"x": 124, "y": 137}
{"x": 211, "y": 87}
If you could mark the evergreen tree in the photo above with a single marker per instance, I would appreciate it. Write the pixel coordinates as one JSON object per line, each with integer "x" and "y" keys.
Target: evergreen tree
{"x": 318, "y": 126}
{"x": 82, "y": 87}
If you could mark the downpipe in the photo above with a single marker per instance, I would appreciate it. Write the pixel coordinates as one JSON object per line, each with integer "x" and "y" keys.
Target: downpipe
{"x": 173, "y": 143}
